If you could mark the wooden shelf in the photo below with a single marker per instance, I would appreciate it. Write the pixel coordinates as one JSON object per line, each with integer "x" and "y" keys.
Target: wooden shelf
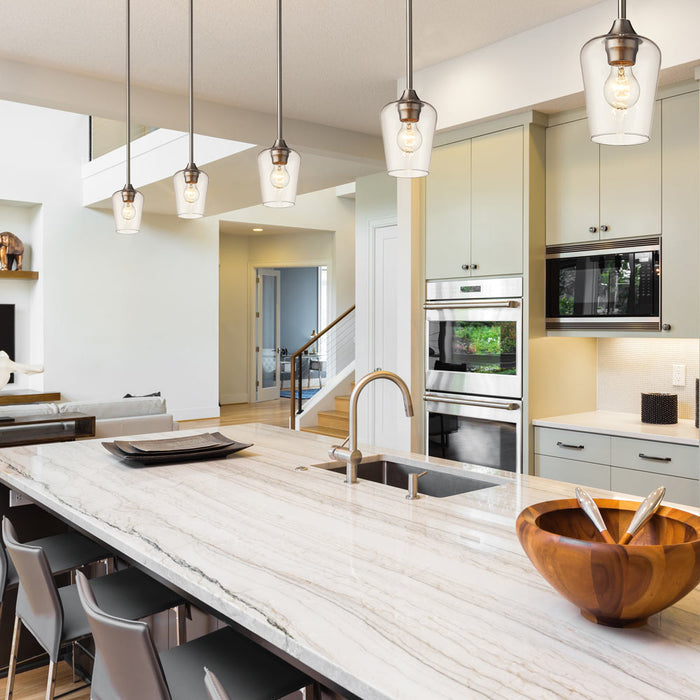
{"x": 19, "y": 274}
{"x": 14, "y": 397}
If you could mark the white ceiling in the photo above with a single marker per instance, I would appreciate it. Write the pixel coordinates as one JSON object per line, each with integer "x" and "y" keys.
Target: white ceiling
{"x": 240, "y": 228}
{"x": 342, "y": 57}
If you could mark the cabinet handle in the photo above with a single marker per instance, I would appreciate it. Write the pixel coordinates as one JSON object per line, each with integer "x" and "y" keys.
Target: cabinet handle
{"x": 654, "y": 459}
{"x": 592, "y": 229}
{"x": 604, "y": 228}
{"x": 570, "y": 447}
{"x": 666, "y": 327}
{"x": 465, "y": 267}
{"x": 473, "y": 266}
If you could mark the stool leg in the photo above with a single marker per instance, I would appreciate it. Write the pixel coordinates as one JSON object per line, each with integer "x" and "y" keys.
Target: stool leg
{"x": 13, "y": 659}
{"x": 181, "y": 625}
{"x": 312, "y": 692}
{"x": 51, "y": 685}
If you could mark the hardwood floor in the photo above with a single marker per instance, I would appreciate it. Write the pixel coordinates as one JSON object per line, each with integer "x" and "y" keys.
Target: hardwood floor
{"x": 31, "y": 685}
{"x": 269, "y": 412}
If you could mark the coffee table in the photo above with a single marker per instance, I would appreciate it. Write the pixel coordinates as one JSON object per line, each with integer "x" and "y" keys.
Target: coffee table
{"x": 35, "y": 430}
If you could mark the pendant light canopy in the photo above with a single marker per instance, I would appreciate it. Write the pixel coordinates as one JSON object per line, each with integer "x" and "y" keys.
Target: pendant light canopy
{"x": 620, "y": 75}
{"x": 127, "y": 203}
{"x": 278, "y": 166}
{"x": 408, "y": 125}
{"x": 191, "y": 183}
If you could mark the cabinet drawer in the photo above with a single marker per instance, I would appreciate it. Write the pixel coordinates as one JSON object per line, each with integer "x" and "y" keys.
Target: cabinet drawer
{"x": 570, "y": 444}
{"x": 639, "y": 483}
{"x": 573, "y": 471}
{"x": 657, "y": 457}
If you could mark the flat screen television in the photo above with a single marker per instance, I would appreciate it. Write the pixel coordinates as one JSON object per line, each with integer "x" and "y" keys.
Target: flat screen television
{"x": 7, "y": 331}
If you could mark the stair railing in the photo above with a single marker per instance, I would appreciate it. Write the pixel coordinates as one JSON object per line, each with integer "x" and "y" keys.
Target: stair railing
{"x": 295, "y": 377}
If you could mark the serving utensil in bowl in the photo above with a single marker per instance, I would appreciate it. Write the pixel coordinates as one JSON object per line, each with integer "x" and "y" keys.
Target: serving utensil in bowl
{"x": 589, "y": 507}
{"x": 646, "y": 510}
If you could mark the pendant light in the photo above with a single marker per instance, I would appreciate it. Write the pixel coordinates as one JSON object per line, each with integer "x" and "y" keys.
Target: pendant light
{"x": 620, "y": 75}
{"x": 278, "y": 166}
{"x": 408, "y": 125}
{"x": 127, "y": 203}
{"x": 191, "y": 183}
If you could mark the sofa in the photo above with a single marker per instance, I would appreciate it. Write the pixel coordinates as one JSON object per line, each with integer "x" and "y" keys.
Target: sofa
{"x": 132, "y": 416}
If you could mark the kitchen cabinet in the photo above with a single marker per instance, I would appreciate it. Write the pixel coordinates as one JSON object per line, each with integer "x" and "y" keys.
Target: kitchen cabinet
{"x": 474, "y": 207}
{"x": 680, "y": 250}
{"x": 601, "y": 192}
{"x": 627, "y": 465}
{"x": 448, "y": 212}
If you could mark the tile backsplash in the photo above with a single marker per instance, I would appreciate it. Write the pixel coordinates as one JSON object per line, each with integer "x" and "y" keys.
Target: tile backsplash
{"x": 629, "y": 366}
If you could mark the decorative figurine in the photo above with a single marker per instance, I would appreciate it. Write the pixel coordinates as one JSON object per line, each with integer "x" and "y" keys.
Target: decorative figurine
{"x": 7, "y": 367}
{"x": 11, "y": 251}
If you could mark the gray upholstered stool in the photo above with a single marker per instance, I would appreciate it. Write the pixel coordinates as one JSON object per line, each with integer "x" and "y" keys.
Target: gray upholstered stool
{"x": 55, "y": 616}
{"x": 127, "y": 664}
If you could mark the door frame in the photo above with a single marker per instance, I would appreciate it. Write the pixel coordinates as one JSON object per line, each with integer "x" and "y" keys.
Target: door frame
{"x": 253, "y": 267}
{"x": 273, "y": 392}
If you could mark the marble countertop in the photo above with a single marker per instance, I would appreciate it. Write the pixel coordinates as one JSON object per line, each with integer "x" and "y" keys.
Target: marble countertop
{"x": 623, "y": 425}
{"x": 387, "y": 598}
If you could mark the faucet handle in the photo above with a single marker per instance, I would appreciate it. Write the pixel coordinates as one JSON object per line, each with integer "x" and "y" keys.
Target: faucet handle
{"x": 413, "y": 486}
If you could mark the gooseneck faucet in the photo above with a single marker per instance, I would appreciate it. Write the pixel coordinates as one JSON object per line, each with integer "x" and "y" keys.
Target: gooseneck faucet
{"x": 350, "y": 454}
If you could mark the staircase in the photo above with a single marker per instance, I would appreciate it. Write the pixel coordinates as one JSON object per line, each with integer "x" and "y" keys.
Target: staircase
{"x": 333, "y": 423}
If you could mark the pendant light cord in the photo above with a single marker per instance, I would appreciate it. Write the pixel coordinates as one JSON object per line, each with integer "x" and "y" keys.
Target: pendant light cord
{"x": 128, "y": 92}
{"x": 191, "y": 84}
{"x": 279, "y": 70}
{"x": 409, "y": 44}
{"x": 622, "y": 9}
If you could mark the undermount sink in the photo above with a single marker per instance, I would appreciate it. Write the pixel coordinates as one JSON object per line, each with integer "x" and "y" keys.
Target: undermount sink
{"x": 434, "y": 483}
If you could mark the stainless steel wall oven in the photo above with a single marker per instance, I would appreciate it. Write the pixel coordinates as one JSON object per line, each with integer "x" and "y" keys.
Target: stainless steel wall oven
{"x": 473, "y": 380}
{"x": 474, "y": 337}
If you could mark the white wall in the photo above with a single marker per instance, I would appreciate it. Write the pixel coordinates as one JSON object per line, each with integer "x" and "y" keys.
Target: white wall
{"x": 120, "y": 314}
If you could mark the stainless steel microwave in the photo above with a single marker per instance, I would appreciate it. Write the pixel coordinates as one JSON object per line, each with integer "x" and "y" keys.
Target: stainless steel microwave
{"x": 608, "y": 285}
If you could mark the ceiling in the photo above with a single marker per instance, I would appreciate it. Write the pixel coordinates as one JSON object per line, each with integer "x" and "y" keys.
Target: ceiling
{"x": 240, "y": 228}
{"x": 341, "y": 58}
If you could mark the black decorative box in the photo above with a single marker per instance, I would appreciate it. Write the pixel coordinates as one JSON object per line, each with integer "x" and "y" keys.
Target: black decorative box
{"x": 660, "y": 408}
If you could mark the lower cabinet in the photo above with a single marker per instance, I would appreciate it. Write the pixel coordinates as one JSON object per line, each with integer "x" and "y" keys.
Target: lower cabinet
{"x": 627, "y": 465}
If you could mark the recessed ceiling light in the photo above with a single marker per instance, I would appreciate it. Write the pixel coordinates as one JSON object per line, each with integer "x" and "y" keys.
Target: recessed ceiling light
{"x": 257, "y": 230}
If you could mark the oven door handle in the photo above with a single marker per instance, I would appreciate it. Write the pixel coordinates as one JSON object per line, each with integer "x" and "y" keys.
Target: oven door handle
{"x": 504, "y": 405}
{"x": 507, "y": 304}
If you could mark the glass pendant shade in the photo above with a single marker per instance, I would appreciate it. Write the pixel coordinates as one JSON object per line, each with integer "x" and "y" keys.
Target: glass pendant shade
{"x": 408, "y": 144}
{"x": 620, "y": 75}
{"x": 190, "y": 192}
{"x": 278, "y": 183}
{"x": 127, "y": 205}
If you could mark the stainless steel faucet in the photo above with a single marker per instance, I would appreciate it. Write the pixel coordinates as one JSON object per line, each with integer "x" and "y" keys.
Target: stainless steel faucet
{"x": 350, "y": 454}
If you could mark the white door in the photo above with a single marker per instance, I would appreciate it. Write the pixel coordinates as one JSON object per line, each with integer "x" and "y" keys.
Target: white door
{"x": 267, "y": 335}
{"x": 387, "y": 404}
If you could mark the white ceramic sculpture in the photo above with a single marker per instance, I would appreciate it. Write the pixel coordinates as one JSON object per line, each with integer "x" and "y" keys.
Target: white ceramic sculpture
{"x": 7, "y": 367}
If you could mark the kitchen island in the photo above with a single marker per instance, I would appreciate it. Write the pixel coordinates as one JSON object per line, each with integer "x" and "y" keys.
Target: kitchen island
{"x": 379, "y": 596}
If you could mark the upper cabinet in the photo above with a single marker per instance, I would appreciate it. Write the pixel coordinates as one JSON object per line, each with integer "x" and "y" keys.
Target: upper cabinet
{"x": 680, "y": 245}
{"x": 474, "y": 207}
{"x": 601, "y": 192}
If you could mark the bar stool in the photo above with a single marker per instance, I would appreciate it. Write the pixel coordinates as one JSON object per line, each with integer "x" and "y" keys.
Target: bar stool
{"x": 55, "y": 616}
{"x": 128, "y": 666}
{"x": 214, "y": 688}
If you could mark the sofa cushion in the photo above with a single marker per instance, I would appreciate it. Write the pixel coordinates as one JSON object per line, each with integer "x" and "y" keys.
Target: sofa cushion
{"x": 29, "y": 409}
{"x": 119, "y": 408}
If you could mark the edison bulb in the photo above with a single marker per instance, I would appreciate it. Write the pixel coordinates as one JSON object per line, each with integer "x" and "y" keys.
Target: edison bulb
{"x": 279, "y": 177}
{"x": 409, "y": 137}
{"x": 191, "y": 193}
{"x": 621, "y": 89}
{"x": 128, "y": 211}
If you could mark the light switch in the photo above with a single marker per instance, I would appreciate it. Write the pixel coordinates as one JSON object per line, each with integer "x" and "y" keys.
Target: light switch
{"x": 678, "y": 375}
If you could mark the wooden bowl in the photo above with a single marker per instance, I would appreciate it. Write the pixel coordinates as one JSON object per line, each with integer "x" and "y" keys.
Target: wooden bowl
{"x": 612, "y": 584}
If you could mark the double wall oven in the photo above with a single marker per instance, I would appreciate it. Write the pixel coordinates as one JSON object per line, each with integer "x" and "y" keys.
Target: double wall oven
{"x": 473, "y": 381}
